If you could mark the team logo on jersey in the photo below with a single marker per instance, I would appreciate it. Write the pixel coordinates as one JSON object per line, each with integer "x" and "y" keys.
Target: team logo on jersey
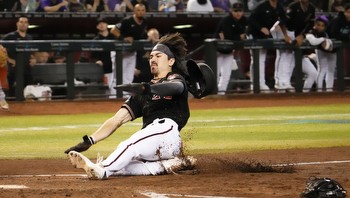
{"x": 158, "y": 97}
{"x": 172, "y": 77}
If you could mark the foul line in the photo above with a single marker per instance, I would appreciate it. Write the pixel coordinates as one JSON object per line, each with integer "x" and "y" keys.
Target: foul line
{"x": 12, "y": 186}
{"x": 313, "y": 163}
{"x": 159, "y": 195}
{"x": 44, "y": 175}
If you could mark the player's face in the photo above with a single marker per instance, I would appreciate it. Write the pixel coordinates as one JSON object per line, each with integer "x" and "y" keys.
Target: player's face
{"x": 347, "y": 14}
{"x": 237, "y": 14}
{"x": 102, "y": 26}
{"x": 22, "y": 24}
{"x": 320, "y": 26}
{"x": 139, "y": 11}
{"x": 159, "y": 63}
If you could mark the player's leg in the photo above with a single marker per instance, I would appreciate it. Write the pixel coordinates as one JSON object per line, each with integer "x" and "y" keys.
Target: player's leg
{"x": 322, "y": 69}
{"x": 112, "y": 91}
{"x": 332, "y": 63}
{"x": 311, "y": 74}
{"x": 158, "y": 141}
{"x": 224, "y": 63}
{"x": 277, "y": 69}
{"x": 129, "y": 64}
{"x": 262, "y": 59}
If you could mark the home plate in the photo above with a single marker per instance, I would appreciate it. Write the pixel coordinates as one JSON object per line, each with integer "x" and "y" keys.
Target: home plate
{"x": 12, "y": 186}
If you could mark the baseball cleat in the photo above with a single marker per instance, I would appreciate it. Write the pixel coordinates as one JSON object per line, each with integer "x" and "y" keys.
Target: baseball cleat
{"x": 4, "y": 106}
{"x": 178, "y": 164}
{"x": 93, "y": 171}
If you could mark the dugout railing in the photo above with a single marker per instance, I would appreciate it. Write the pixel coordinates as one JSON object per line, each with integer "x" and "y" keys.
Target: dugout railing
{"x": 210, "y": 57}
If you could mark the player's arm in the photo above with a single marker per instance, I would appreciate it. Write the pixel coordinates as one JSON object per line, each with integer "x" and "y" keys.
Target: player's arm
{"x": 167, "y": 88}
{"x": 314, "y": 40}
{"x": 115, "y": 31}
{"x": 106, "y": 129}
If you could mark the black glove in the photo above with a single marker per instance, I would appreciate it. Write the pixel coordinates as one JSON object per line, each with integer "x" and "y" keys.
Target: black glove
{"x": 82, "y": 146}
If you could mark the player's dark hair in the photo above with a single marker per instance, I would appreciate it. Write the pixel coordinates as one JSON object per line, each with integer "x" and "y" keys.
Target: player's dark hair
{"x": 177, "y": 45}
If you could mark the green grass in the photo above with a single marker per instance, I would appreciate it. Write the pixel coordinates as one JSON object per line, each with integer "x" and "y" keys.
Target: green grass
{"x": 208, "y": 131}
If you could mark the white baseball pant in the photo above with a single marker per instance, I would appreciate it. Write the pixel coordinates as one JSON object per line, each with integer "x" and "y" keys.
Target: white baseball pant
{"x": 143, "y": 152}
{"x": 327, "y": 63}
{"x": 224, "y": 68}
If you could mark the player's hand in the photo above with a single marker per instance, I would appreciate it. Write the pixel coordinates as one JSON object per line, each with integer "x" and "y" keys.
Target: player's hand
{"x": 299, "y": 40}
{"x": 265, "y": 31}
{"x": 82, "y": 146}
{"x": 287, "y": 39}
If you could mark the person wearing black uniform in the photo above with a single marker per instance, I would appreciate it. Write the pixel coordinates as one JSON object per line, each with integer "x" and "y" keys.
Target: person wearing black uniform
{"x": 261, "y": 21}
{"x": 163, "y": 105}
{"x": 300, "y": 16}
{"x": 232, "y": 27}
{"x": 104, "y": 58}
{"x": 29, "y": 61}
{"x": 131, "y": 28}
{"x": 325, "y": 54}
{"x": 340, "y": 30}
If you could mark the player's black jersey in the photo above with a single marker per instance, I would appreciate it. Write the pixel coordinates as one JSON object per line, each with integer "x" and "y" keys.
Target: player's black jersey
{"x": 231, "y": 28}
{"x": 265, "y": 16}
{"x": 128, "y": 27}
{"x": 155, "y": 106}
{"x": 298, "y": 20}
{"x": 340, "y": 28}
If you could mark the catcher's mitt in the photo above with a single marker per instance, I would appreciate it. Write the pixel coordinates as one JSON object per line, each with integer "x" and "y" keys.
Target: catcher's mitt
{"x": 323, "y": 188}
{"x": 3, "y": 56}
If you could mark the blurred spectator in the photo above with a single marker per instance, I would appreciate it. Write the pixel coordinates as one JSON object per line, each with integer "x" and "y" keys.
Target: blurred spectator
{"x": 58, "y": 57}
{"x": 29, "y": 5}
{"x": 41, "y": 57}
{"x": 103, "y": 58}
{"x": 29, "y": 61}
{"x": 152, "y": 5}
{"x": 321, "y": 5}
{"x": 221, "y": 5}
{"x": 96, "y": 6}
{"x": 52, "y": 6}
{"x": 199, "y": 6}
{"x": 232, "y": 27}
{"x": 120, "y": 5}
{"x": 252, "y": 4}
{"x": 340, "y": 30}
{"x": 143, "y": 70}
{"x": 261, "y": 21}
{"x": 171, "y": 6}
{"x": 76, "y": 6}
{"x": 338, "y": 5}
{"x": 144, "y": 2}
{"x": 129, "y": 29}
{"x": 10, "y": 5}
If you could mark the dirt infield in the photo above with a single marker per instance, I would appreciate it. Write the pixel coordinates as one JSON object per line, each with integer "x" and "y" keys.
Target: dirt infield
{"x": 215, "y": 175}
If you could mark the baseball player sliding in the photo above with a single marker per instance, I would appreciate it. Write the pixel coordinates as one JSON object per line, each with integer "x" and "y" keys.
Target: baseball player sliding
{"x": 163, "y": 105}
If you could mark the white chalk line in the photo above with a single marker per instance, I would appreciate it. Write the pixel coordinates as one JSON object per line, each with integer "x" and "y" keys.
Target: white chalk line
{"x": 13, "y": 186}
{"x": 217, "y": 120}
{"x": 160, "y": 195}
{"x": 313, "y": 163}
{"x": 43, "y": 175}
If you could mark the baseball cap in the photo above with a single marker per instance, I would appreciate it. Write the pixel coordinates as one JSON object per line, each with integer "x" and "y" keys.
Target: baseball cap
{"x": 237, "y": 6}
{"x": 101, "y": 20}
{"x": 322, "y": 18}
